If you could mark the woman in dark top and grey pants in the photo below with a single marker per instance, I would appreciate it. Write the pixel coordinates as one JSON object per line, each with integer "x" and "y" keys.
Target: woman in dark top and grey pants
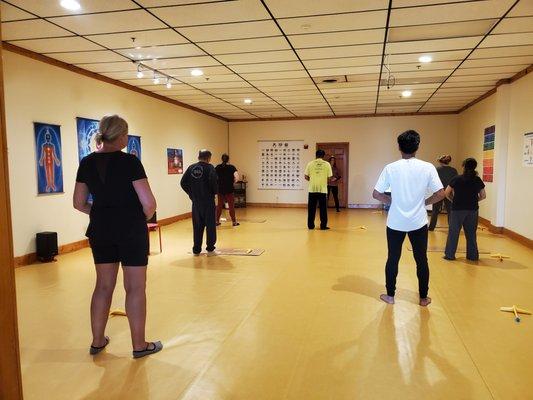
{"x": 464, "y": 191}
{"x": 122, "y": 201}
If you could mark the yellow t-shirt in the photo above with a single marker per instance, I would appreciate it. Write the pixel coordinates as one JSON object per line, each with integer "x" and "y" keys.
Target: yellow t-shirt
{"x": 318, "y": 172}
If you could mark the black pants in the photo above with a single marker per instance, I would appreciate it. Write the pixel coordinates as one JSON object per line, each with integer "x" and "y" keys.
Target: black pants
{"x": 322, "y": 200}
{"x": 204, "y": 218}
{"x": 437, "y": 207}
{"x": 419, "y": 242}
{"x": 468, "y": 220}
{"x": 335, "y": 191}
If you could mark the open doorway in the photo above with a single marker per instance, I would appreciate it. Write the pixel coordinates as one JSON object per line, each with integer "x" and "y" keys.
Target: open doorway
{"x": 341, "y": 153}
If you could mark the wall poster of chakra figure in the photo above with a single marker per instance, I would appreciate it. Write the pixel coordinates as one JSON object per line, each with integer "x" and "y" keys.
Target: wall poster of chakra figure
{"x": 87, "y": 130}
{"x": 280, "y": 164}
{"x": 175, "y": 161}
{"x": 48, "y": 157}
{"x": 134, "y": 146}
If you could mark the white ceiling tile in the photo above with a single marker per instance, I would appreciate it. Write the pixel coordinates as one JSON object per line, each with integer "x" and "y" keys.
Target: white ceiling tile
{"x": 417, "y": 3}
{"x": 437, "y": 56}
{"x": 168, "y": 51}
{"x": 240, "y": 30}
{"x": 149, "y": 38}
{"x": 440, "y": 31}
{"x": 331, "y": 23}
{"x": 282, "y": 82}
{"x": 208, "y": 71}
{"x": 31, "y": 29}
{"x": 345, "y": 71}
{"x": 472, "y": 78}
{"x": 338, "y": 38}
{"x": 493, "y": 52}
{"x": 508, "y": 39}
{"x": 210, "y": 78}
{"x": 212, "y": 13}
{"x": 162, "y": 3}
{"x": 342, "y": 51}
{"x": 186, "y": 62}
{"x": 509, "y": 69}
{"x": 267, "y": 67}
{"x": 109, "y": 22}
{"x": 522, "y": 9}
{"x": 259, "y": 76}
{"x": 294, "y": 8}
{"x": 272, "y": 90}
{"x": 451, "y": 84}
{"x": 64, "y": 44}
{"x": 449, "y": 12}
{"x": 246, "y": 45}
{"x": 87, "y": 57}
{"x": 49, "y": 8}
{"x": 110, "y": 67}
{"x": 218, "y": 85}
{"x": 11, "y": 13}
{"x": 343, "y": 62}
{"x": 252, "y": 58}
{"x": 429, "y": 46}
{"x": 501, "y": 61}
{"x": 432, "y": 66}
{"x": 514, "y": 25}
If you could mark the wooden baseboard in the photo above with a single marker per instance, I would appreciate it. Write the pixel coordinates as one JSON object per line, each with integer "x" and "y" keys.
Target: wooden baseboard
{"x": 492, "y": 228}
{"x": 277, "y": 205}
{"x": 31, "y": 258}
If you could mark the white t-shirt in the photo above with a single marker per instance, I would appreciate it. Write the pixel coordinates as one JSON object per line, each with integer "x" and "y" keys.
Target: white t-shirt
{"x": 409, "y": 181}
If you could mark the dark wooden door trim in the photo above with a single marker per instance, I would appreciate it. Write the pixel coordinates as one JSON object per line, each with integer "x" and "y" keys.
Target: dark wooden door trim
{"x": 10, "y": 377}
{"x": 346, "y": 146}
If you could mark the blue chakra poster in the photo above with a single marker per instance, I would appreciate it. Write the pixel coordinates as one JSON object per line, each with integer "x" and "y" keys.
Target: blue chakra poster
{"x": 48, "y": 156}
{"x": 87, "y": 130}
{"x": 134, "y": 146}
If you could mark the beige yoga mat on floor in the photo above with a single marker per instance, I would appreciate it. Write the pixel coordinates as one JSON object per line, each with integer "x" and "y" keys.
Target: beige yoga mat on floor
{"x": 254, "y": 220}
{"x": 237, "y": 252}
{"x": 440, "y": 249}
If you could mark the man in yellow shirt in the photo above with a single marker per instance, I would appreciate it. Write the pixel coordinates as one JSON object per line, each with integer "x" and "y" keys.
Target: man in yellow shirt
{"x": 318, "y": 172}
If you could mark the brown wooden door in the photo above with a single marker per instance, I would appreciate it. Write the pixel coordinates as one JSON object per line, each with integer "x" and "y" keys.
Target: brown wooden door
{"x": 341, "y": 152}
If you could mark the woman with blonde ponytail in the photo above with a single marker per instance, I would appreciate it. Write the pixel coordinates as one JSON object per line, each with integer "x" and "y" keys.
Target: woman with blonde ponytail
{"x": 122, "y": 201}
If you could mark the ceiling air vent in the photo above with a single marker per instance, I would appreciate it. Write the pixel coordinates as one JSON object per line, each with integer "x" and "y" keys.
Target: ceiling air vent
{"x": 330, "y": 79}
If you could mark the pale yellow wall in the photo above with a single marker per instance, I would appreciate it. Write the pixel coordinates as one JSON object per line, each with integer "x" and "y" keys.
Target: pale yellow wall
{"x": 38, "y": 92}
{"x": 472, "y": 124}
{"x": 519, "y": 190}
{"x": 372, "y": 145}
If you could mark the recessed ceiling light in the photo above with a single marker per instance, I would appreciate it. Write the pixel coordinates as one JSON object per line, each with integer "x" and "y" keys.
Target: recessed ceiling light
{"x": 407, "y": 93}
{"x": 197, "y": 72}
{"x": 425, "y": 59}
{"x": 169, "y": 84}
{"x": 247, "y": 101}
{"x": 306, "y": 27}
{"x": 140, "y": 74}
{"x": 71, "y": 5}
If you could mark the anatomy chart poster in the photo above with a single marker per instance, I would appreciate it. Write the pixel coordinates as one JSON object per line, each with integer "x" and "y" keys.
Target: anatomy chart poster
{"x": 134, "y": 146}
{"x": 48, "y": 156}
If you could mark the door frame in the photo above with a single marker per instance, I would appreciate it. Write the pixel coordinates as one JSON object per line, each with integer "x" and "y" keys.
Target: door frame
{"x": 346, "y": 146}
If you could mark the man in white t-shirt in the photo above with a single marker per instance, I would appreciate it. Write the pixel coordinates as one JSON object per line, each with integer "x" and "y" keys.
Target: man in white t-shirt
{"x": 409, "y": 179}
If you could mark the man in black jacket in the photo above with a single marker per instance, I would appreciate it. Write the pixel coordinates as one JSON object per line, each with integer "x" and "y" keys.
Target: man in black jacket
{"x": 200, "y": 183}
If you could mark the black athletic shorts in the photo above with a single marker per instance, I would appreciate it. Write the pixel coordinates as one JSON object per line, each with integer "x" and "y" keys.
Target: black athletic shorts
{"x": 129, "y": 254}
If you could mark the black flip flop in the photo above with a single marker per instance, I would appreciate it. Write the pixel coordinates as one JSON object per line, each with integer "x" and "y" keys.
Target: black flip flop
{"x": 158, "y": 346}
{"x": 95, "y": 350}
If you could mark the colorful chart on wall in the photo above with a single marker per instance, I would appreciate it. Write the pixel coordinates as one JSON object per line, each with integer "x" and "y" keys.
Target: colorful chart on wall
{"x": 48, "y": 156}
{"x": 134, "y": 146}
{"x": 87, "y": 129}
{"x": 488, "y": 153}
{"x": 528, "y": 149}
{"x": 280, "y": 164}
{"x": 175, "y": 161}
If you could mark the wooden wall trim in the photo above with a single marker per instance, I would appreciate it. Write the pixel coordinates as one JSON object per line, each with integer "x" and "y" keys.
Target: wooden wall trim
{"x": 72, "y": 68}
{"x": 277, "y": 205}
{"x": 345, "y": 116}
{"x": 518, "y": 238}
{"x": 488, "y": 224}
{"x": 10, "y": 376}
{"x": 31, "y": 258}
{"x": 512, "y": 79}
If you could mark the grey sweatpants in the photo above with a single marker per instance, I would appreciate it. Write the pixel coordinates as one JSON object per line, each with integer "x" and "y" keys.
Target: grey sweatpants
{"x": 468, "y": 220}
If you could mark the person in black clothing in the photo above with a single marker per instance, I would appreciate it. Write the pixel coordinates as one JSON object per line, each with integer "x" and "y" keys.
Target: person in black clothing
{"x": 446, "y": 173}
{"x": 227, "y": 176}
{"x": 122, "y": 201}
{"x": 200, "y": 183}
{"x": 464, "y": 191}
{"x": 333, "y": 184}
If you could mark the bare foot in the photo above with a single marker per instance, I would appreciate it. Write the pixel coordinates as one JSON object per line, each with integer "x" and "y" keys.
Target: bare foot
{"x": 425, "y": 301}
{"x": 387, "y": 299}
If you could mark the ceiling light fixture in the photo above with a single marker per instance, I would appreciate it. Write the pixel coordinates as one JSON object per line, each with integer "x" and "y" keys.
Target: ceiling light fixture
{"x": 407, "y": 93}
{"x": 156, "y": 79}
{"x": 169, "y": 84}
{"x": 248, "y": 101}
{"x": 197, "y": 72}
{"x": 71, "y": 5}
{"x": 425, "y": 59}
{"x": 139, "y": 71}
